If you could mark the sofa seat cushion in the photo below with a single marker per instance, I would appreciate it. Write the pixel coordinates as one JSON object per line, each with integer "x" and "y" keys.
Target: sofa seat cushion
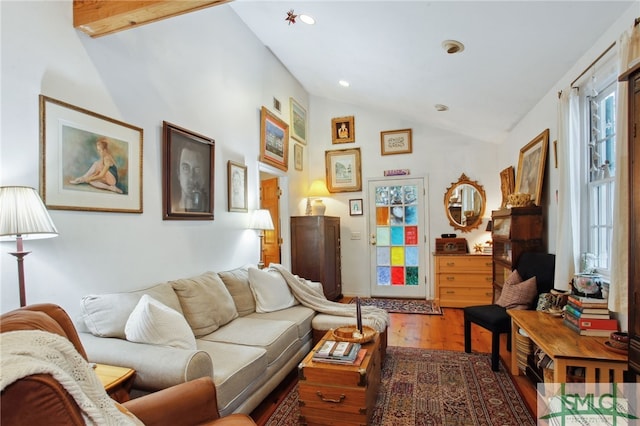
{"x": 300, "y": 315}
{"x": 327, "y": 322}
{"x": 235, "y": 367}
{"x": 237, "y": 282}
{"x": 276, "y": 337}
{"x": 105, "y": 315}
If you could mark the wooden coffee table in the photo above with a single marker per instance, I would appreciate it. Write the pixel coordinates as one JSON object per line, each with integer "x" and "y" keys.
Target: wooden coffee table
{"x": 331, "y": 394}
{"x": 117, "y": 381}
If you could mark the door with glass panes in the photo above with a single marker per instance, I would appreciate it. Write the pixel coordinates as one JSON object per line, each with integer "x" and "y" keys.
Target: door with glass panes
{"x": 397, "y": 238}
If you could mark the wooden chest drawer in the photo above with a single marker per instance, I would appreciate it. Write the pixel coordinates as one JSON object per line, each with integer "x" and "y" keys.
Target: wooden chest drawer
{"x": 460, "y": 297}
{"x": 463, "y": 280}
{"x": 463, "y": 263}
{"x": 454, "y": 279}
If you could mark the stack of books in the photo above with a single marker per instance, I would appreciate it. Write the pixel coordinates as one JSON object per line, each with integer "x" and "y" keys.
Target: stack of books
{"x": 589, "y": 317}
{"x": 335, "y": 352}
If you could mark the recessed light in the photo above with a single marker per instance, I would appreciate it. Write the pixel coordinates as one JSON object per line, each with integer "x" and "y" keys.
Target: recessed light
{"x": 307, "y": 19}
{"x": 452, "y": 46}
{"x": 440, "y": 107}
{"x": 344, "y": 83}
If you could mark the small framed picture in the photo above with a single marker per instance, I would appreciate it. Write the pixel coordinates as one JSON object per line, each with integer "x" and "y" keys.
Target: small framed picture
{"x": 343, "y": 130}
{"x": 396, "y": 142}
{"x": 297, "y": 156}
{"x": 274, "y": 140}
{"x": 343, "y": 170}
{"x": 237, "y": 187}
{"x": 355, "y": 207}
{"x": 188, "y": 171}
{"x": 298, "y": 121}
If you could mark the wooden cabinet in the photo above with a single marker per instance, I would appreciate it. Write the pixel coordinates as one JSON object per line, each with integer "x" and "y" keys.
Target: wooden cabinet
{"x": 315, "y": 251}
{"x": 463, "y": 279}
{"x": 515, "y": 230}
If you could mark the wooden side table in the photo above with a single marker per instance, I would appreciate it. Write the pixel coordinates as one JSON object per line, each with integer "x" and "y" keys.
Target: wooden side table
{"x": 567, "y": 348}
{"x": 117, "y": 381}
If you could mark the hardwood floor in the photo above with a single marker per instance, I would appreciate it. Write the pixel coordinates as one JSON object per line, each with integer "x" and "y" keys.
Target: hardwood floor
{"x": 444, "y": 332}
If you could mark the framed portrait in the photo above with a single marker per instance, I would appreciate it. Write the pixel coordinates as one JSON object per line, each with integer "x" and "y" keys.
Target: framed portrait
{"x": 531, "y": 165}
{"x": 343, "y": 130}
{"x": 236, "y": 187}
{"x": 187, "y": 174}
{"x": 88, "y": 162}
{"x": 297, "y": 156}
{"x": 298, "y": 120}
{"x": 274, "y": 140}
{"x": 343, "y": 170}
{"x": 507, "y": 184}
{"x": 395, "y": 142}
{"x": 355, "y": 207}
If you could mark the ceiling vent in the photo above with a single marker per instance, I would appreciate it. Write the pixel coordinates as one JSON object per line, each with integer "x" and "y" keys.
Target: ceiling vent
{"x": 452, "y": 46}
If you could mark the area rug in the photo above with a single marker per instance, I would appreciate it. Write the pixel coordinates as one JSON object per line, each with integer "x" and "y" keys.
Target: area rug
{"x": 403, "y": 306}
{"x": 422, "y": 387}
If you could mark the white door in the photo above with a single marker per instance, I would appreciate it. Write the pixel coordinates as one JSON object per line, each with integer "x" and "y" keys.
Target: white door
{"x": 397, "y": 238}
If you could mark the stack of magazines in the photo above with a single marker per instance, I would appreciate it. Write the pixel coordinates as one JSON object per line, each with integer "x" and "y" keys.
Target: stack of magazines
{"x": 340, "y": 353}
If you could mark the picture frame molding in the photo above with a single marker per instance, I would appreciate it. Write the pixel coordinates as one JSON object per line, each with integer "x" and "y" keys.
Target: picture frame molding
{"x": 170, "y": 180}
{"x": 507, "y": 184}
{"x": 298, "y": 156}
{"x": 57, "y": 119}
{"x": 352, "y": 181}
{"x": 232, "y": 204}
{"x": 534, "y": 171}
{"x": 355, "y": 207}
{"x": 268, "y": 122}
{"x": 387, "y": 140}
{"x": 297, "y": 118}
{"x": 336, "y": 123}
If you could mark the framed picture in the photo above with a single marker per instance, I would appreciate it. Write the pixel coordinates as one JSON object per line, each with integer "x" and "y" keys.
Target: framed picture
{"x": 297, "y": 156}
{"x": 531, "y": 165}
{"x": 187, "y": 174}
{"x": 343, "y": 130}
{"x": 355, "y": 207}
{"x": 507, "y": 184}
{"x": 298, "y": 121}
{"x": 88, "y": 161}
{"x": 236, "y": 187}
{"x": 274, "y": 140}
{"x": 343, "y": 170}
{"x": 396, "y": 142}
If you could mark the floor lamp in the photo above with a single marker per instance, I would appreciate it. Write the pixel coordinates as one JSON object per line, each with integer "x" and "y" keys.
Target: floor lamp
{"x": 261, "y": 220}
{"x": 23, "y": 216}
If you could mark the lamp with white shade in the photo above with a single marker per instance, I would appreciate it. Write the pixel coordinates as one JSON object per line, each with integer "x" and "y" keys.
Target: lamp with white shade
{"x": 261, "y": 220}
{"x": 23, "y": 216}
{"x": 317, "y": 190}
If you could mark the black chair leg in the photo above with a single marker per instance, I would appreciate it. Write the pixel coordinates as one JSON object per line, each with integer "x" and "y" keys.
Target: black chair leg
{"x": 509, "y": 341}
{"x": 495, "y": 351}
{"x": 467, "y": 336}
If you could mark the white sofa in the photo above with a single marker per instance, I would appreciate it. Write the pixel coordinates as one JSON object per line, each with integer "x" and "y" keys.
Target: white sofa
{"x": 247, "y": 352}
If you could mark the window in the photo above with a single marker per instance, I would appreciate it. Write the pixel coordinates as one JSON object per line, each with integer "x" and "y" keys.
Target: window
{"x": 599, "y": 174}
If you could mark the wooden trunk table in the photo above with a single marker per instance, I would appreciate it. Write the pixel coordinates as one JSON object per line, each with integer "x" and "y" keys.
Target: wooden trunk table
{"x": 567, "y": 348}
{"x": 117, "y": 381}
{"x": 333, "y": 394}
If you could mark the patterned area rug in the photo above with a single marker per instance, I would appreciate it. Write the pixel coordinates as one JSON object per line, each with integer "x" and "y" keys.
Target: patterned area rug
{"x": 403, "y": 306}
{"x": 431, "y": 387}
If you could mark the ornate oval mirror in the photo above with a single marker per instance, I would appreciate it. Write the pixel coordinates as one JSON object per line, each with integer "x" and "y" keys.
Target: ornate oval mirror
{"x": 464, "y": 203}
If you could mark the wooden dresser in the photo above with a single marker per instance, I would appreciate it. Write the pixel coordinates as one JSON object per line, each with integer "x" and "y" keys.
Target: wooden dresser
{"x": 463, "y": 279}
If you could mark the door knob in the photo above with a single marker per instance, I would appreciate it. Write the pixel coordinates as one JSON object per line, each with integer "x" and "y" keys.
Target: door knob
{"x": 372, "y": 239}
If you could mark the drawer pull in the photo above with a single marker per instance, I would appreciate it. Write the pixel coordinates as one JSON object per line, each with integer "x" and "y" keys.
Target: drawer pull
{"x": 450, "y": 292}
{"x": 450, "y": 278}
{"x": 451, "y": 263}
{"x": 334, "y": 401}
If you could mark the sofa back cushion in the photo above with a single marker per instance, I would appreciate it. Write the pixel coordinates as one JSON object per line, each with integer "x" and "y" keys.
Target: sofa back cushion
{"x": 106, "y": 315}
{"x": 206, "y": 303}
{"x": 237, "y": 282}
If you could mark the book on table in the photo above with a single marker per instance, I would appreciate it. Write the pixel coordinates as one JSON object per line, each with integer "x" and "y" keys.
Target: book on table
{"x": 590, "y": 326}
{"x": 588, "y": 302}
{"x": 337, "y": 352}
{"x": 579, "y": 312}
{"x": 355, "y": 362}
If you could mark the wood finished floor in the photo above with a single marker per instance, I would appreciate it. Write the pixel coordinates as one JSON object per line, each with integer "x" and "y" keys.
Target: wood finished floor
{"x": 444, "y": 332}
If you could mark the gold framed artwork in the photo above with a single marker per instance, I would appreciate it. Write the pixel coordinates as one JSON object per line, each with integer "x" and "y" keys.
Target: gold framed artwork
{"x": 343, "y": 170}
{"x": 187, "y": 172}
{"x": 236, "y": 187}
{"x": 89, "y": 162}
{"x": 274, "y": 140}
{"x": 530, "y": 175}
{"x": 298, "y": 151}
{"x": 298, "y": 117}
{"x": 396, "y": 142}
{"x": 507, "y": 184}
{"x": 343, "y": 130}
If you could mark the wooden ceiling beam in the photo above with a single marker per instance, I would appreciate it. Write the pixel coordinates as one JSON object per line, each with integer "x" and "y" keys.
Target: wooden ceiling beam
{"x": 101, "y": 17}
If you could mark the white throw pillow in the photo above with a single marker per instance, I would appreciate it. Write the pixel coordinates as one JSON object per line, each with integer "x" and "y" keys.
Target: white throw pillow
{"x": 270, "y": 290}
{"x": 157, "y": 324}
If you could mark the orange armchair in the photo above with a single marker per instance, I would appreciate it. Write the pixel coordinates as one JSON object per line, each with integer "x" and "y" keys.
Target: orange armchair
{"x": 40, "y": 399}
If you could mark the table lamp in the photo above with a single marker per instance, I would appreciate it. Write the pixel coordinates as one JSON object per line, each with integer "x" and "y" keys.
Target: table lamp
{"x": 23, "y": 215}
{"x": 261, "y": 220}
{"x": 317, "y": 190}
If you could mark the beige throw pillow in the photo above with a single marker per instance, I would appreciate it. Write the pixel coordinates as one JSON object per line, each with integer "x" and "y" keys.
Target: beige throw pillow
{"x": 237, "y": 282}
{"x": 206, "y": 302}
{"x": 270, "y": 290}
{"x": 156, "y": 324}
{"x": 518, "y": 295}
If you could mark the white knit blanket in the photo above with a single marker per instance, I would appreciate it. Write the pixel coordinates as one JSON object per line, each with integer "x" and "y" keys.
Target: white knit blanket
{"x": 29, "y": 352}
{"x": 309, "y": 298}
